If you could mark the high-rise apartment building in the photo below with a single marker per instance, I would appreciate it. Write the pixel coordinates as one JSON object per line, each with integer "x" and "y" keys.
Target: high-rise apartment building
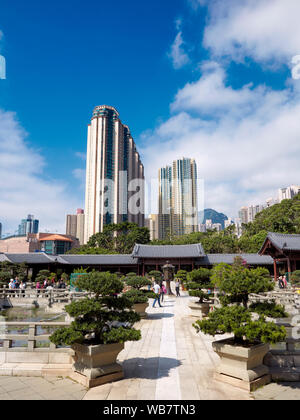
{"x": 288, "y": 193}
{"x": 152, "y": 224}
{"x": 75, "y": 225}
{"x": 114, "y": 174}
{"x": 177, "y": 205}
{"x": 29, "y": 225}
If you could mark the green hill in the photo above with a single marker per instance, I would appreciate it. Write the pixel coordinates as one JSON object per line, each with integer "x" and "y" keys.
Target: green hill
{"x": 210, "y": 214}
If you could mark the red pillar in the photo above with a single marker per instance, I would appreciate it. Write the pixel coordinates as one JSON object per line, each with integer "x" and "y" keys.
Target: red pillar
{"x": 275, "y": 271}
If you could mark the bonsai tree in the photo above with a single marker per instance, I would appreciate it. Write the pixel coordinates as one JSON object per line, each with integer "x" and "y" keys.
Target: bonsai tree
{"x": 157, "y": 275}
{"x": 102, "y": 319}
{"x": 236, "y": 283}
{"x": 198, "y": 281}
{"x": 138, "y": 283}
{"x": 295, "y": 278}
{"x": 237, "y": 320}
{"x": 136, "y": 296}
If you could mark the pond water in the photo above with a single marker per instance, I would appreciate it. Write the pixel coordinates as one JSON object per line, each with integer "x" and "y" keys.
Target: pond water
{"x": 25, "y": 315}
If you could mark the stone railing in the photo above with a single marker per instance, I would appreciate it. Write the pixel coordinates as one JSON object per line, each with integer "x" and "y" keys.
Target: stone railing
{"x": 51, "y": 296}
{"x": 289, "y": 299}
{"x": 28, "y": 340}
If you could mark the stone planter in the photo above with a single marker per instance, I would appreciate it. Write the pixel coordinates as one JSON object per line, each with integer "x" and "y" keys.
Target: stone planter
{"x": 140, "y": 308}
{"x": 97, "y": 365}
{"x": 199, "y": 310}
{"x": 242, "y": 366}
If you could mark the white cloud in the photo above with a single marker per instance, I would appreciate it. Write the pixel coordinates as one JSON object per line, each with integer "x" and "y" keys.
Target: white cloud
{"x": 23, "y": 187}
{"x": 245, "y": 141}
{"x": 266, "y": 30}
{"x": 177, "y": 53}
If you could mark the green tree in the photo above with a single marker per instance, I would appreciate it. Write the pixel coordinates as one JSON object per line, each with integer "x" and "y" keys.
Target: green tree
{"x": 198, "y": 281}
{"x": 295, "y": 278}
{"x": 157, "y": 275}
{"x": 236, "y": 282}
{"x": 97, "y": 319}
{"x": 115, "y": 239}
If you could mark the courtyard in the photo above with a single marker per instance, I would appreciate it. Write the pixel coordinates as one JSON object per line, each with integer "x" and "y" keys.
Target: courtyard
{"x": 171, "y": 362}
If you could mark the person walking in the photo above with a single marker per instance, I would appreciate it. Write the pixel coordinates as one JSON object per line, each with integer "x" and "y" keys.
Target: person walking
{"x": 156, "y": 290}
{"x": 177, "y": 287}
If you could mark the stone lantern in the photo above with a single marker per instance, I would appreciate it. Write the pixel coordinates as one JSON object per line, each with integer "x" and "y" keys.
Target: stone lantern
{"x": 168, "y": 271}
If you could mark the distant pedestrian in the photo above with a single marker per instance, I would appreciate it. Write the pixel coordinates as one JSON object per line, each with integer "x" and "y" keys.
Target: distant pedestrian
{"x": 163, "y": 291}
{"x": 280, "y": 283}
{"x": 284, "y": 282}
{"x": 23, "y": 287}
{"x": 156, "y": 290}
{"x": 177, "y": 287}
{"x": 38, "y": 287}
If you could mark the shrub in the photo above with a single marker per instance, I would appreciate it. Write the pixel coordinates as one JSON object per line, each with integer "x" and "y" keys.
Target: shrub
{"x": 237, "y": 320}
{"x": 136, "y": 296}
{"x": 137, "y": 282}
{"x": 272, "y": 310}
{"x": 5, "y": 277}
{"x": 295, "y": 278}
{"x": 198, "y": 282}
{"x": 104, "y": 318}
{"x": 236, "y": 283}
{"x": 156, "y": 274}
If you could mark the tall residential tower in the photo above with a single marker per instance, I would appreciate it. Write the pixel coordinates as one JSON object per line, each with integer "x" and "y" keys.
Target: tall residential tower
{"x": 114, "y": 174}
{"x": 178, "y": 203}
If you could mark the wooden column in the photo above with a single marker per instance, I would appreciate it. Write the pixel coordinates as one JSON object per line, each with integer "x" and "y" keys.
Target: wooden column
{"x": 275, "y": 271}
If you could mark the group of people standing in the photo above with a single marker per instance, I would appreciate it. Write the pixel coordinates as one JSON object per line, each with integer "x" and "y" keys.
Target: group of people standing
{"x": 50, "y": 284}
{"x": 160, "y": 290}
{"x": 16, "y": 284}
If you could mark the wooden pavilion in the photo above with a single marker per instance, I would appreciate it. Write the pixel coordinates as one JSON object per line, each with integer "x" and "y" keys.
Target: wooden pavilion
{"x": 284, "y": 249}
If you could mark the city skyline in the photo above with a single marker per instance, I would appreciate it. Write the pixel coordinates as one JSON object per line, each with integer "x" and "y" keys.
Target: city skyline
{"x": 235, "y": 110}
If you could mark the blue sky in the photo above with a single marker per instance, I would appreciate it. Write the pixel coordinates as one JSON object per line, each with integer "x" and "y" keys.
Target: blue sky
{"x": 188, "y": 76}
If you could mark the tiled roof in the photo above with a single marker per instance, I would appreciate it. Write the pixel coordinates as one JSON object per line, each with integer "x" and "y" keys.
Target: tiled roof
{"x": 3, "y": 258}
{"x": 284, "y": 241}
{"x": 34, "y": 257}
{"x": 168, "y": 251}
{"x": 97, "y": 259}
{"x": 252, "y": 259}
{"x": 55, "y": 237}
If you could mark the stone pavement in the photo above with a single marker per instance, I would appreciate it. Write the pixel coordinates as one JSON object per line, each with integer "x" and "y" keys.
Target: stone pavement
{"x": 171, "y": 362}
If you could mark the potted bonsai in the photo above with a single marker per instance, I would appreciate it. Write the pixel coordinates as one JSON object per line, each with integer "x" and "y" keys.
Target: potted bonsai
{"x": 241, "y": 355}
{"x": 102, "y": 324}
{"x": 137, "y": 294}
{"x": 198, "y": 283}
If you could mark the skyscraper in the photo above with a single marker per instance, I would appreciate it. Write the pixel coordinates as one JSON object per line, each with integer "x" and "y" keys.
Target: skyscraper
{"x": 75, "y": 225}
{"x": 29, "y": 225}
{"x": 178, "y": 214}
{"x": 114, "y": 174}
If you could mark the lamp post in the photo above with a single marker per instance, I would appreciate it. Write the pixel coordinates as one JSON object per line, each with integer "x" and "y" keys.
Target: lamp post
{"x": 168, "y": 271}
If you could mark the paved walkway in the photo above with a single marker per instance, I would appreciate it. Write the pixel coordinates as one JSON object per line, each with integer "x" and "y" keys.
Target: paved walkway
{"x": 171, "y": 362}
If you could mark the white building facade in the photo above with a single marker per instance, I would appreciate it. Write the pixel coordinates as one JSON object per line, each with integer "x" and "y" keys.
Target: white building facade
{"x": 114, "y": 174}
